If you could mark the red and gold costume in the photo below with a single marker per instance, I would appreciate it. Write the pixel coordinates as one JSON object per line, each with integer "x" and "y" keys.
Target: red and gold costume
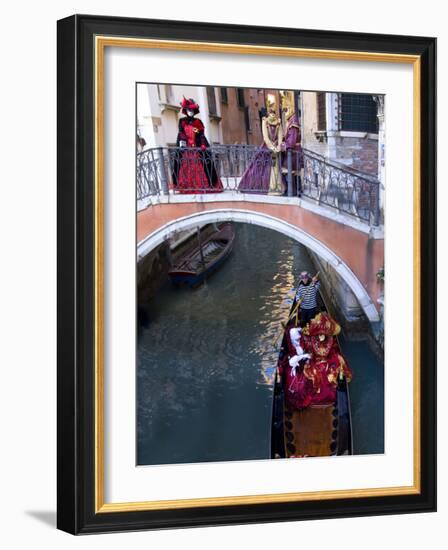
{"x": 316, "y": 381}
{"x": 194, "y": 170}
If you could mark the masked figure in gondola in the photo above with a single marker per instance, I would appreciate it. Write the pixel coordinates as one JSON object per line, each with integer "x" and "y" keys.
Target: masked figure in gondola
{"x": 263, "y": 173}
{"x": 291, "y": 146}
{"x": 313, "y": 364}
{"x": 193, "y": 168}
{"x": 291, "y": 365}
{"x": 327, "y": 366}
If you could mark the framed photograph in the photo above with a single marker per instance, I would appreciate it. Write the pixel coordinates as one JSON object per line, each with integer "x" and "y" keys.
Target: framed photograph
{"x": 246, "y": 274}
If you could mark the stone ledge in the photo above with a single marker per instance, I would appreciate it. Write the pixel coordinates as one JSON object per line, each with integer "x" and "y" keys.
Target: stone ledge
{"x": 237, "y": 197}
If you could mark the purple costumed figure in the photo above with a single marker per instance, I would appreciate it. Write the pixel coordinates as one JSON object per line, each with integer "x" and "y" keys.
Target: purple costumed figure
{"x": 263, "y": 173}
{"x": 291, "y": 143}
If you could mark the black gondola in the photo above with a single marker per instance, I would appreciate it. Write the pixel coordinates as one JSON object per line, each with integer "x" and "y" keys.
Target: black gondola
{"x": 317, "y": 430}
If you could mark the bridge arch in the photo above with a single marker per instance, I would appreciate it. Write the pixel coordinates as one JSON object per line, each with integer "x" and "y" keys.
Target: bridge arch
{"x": 265, "y": 220}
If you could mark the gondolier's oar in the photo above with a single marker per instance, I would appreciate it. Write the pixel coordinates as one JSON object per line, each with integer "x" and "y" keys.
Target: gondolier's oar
{"x": 295, "y": 311}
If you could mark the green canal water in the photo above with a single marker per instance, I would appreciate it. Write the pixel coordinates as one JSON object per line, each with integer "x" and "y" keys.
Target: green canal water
{"x": 204, "y": 388}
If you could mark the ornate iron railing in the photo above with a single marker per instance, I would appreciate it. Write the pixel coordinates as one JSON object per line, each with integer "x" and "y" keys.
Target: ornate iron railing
{"x": 252, "y": 169}
{"x": 349, "y": 191}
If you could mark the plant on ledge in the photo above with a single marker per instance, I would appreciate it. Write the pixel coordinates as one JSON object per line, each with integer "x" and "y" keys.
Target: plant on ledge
{"x": 380, "y": 275}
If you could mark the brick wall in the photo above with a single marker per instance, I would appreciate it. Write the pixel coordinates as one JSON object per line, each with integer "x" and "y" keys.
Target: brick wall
{"x": 360, "y": 153}
{"x": 234, "y": 129}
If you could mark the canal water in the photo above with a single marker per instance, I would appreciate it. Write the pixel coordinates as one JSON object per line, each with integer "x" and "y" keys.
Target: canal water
{"x": 204, "y": 388}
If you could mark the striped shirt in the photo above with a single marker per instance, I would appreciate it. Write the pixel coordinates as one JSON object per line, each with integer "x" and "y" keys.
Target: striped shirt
{"x": 308, "y": 294}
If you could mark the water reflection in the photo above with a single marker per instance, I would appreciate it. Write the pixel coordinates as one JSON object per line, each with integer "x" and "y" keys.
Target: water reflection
{"x": 206, "y": 361}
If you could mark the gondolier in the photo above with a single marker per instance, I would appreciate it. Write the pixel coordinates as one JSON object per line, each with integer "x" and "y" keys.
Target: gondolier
{"x": 307, "y": 295}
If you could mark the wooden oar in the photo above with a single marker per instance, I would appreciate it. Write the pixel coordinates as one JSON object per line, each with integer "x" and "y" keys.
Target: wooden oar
{"x": 294, "y": 311}
{"x": 284, "y": 325}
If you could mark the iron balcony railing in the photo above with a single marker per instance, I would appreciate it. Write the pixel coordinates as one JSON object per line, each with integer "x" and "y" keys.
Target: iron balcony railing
{"x": 348, "y": 190}
{"x": 252, "y": 169}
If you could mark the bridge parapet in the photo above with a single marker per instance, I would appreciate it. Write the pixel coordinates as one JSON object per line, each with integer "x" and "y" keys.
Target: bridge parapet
{"x": 248, "y": 171}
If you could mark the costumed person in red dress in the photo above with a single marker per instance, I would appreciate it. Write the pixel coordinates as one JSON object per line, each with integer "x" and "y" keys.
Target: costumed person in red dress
{"x": 193, "y": 168}
{"x": 311, "y": 364}
{"x": 327, "y": 366}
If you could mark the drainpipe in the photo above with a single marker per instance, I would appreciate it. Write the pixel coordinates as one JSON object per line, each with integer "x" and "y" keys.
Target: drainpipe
{"x": 379, "y": 99}
{"x": 332, "y": 123}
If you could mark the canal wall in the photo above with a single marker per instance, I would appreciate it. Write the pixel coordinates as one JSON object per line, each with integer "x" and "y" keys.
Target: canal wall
{"x": 341, "y": 301}
{"x": 339, "y": 297}
{"x": 152, "y": 269}
{"x": 343, "y": 306}
{"x": 152, "y": 272}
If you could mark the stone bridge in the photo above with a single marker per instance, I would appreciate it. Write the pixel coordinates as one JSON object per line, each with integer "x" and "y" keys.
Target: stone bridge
{"x": 353, "y": 248}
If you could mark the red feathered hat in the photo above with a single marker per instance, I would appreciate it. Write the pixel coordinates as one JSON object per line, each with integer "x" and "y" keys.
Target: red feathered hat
{"x": 322, "y": 324}
{"x": 189, "y": 104}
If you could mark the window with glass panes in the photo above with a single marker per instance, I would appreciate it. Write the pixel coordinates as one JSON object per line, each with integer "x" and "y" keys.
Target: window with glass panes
{"x": 358, "y": 113}
{"x": 224, "y": 97}
{"x": 240, "y": 97}
{"x": 211, "y": 98}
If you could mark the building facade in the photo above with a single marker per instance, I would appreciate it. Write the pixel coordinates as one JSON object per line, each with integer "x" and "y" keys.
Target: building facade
{"x": 230, "y": 115}
{"x": 158, "y": 112}
{"x": 347, "y": 128}
{"x": 242, "y": 110}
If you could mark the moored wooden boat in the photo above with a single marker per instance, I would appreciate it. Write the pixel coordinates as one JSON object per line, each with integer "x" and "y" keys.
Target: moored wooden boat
{"x": 204, "y": 257}
{"x": 315, "y": 430}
